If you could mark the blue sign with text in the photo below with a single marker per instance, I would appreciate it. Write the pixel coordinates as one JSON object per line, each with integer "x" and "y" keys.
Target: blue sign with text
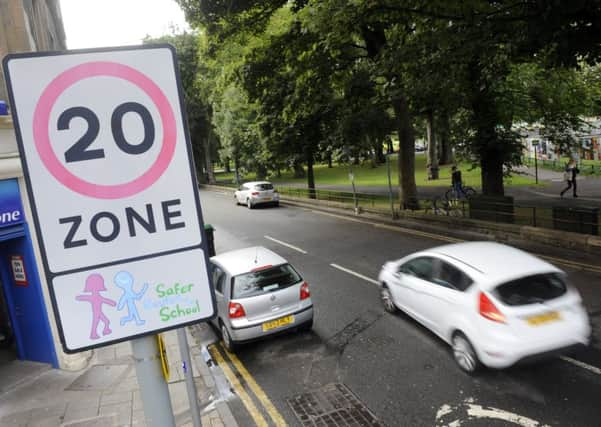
{"x": 11, "y": 210}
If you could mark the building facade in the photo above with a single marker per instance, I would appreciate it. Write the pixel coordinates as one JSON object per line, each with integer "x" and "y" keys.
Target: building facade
{"x": 587, "y": 144}
{"x": 27, "y": 324}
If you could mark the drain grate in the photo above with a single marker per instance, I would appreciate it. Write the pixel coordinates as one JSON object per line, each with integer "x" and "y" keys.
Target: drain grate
{"x": 331, "y": 405}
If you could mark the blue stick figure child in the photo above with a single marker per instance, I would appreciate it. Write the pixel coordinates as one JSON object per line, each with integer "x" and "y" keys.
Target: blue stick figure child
{"x": 125, "y": 281}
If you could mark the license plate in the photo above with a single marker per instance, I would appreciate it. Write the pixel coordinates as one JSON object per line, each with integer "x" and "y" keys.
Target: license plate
{"x": 551, "y": 316}
{"x": 278, "y": 323}
{"x": 266, "y": 199}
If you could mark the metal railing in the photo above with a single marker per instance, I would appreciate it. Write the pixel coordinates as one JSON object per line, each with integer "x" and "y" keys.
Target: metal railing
{"x": 560, "y": 165}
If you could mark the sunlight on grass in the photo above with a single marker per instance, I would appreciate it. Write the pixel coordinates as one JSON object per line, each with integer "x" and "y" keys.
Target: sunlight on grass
{"x": 366, "y": 176}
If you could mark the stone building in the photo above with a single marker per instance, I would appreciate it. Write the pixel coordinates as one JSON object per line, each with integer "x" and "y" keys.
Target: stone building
{"x": 28, "y": 330}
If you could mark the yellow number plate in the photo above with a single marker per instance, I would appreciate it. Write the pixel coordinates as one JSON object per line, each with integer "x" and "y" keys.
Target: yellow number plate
{"x": 551, "y": 316}
{"x": 267, "y": 199}
{"x": 278, "y": 323}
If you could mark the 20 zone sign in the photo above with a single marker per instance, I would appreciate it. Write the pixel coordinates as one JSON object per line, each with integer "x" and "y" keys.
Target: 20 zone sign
{"x": 109, "y": 170}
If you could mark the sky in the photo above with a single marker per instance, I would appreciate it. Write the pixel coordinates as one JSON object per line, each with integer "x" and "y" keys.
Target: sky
{"x": 107, "y": 23}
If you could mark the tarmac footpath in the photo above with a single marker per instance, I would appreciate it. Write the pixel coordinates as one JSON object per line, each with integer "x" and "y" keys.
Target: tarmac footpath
{"x": 106, "y": 392}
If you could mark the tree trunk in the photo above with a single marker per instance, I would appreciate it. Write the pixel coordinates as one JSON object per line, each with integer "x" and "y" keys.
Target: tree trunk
{"x": 329, "y": 159}
{"x": 310, "y": 175}
{"x": 237, "y": 169}
{"x": 379, "y": 152}
{"x": 432, "y": 155}
{"x": 489, "y": 147}
{"x": 261, "y": 172}
{"x": 389, "y": 146}
{"x": 299, "y": 171}
{"x": 208, "y": 159}
{"x": 226, "y": 164}
{"x": 491, "y": 165}
{"x": 446, "y": 151}
{"x": 406, "y": 158}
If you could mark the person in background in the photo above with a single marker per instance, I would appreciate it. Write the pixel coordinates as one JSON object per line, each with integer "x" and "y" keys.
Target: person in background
{"x": 570, "y": 177}
{"x": 456, "y": 181}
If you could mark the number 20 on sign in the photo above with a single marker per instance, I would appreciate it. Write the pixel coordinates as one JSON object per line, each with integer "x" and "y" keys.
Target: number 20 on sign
{"x": 109, "y": 172}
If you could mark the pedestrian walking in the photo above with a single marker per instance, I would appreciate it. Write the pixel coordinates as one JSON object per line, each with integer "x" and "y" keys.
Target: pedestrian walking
{"x": 457, "y": 182}
{"x": 570, "y": 177}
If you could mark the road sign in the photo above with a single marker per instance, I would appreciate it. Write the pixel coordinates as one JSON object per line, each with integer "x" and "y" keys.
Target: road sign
{"x": 110, "y": 176}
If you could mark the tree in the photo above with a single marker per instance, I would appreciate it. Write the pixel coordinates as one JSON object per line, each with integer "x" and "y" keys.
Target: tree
{"x": 186, "y": 46}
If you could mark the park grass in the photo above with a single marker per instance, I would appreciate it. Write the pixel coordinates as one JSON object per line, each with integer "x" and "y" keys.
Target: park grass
{"x": 366, "y": 176}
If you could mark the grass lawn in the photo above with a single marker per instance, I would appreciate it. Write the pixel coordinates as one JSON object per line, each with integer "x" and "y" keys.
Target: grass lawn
{"x": 367, "y": 176}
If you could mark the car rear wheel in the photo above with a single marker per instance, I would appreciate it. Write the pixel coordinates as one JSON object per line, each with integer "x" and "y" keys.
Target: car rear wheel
{"x": 228, "y": 343}
{"x": 236, "y": 200}
{"x": 249, "y": 204}
{"x": 464, "y": 353}
{"x": 387, "y": 302}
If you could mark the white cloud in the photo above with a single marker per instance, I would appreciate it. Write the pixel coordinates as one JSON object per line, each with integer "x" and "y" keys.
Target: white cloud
{"x": 100, "y": 23}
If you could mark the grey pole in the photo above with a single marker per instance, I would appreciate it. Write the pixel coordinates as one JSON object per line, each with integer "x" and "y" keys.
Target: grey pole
{"x": 390, "y": 186}
{"x": 153, "y": 387}
{"x": 184, "y": 352}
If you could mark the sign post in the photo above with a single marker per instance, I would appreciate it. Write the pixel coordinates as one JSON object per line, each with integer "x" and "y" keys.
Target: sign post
{"x": 108, "y": 165}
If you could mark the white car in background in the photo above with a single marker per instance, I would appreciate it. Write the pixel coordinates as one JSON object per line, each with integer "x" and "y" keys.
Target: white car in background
{"x": 258, "y": 294}
{"x": 494, "y": 304}
{"x": 257, "y": 192}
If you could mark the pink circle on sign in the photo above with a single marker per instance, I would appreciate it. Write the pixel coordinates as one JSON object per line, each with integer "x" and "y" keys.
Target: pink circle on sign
{"x": 41, "y": 134}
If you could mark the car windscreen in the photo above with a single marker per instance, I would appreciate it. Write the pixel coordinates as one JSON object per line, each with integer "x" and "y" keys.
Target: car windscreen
{"x": 263, "y": 187}
{"x": 264, "y": 281}
{"x": 532, "y": 289}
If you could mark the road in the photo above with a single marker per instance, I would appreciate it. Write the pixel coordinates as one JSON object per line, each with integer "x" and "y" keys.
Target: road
{"x": 389, "y": 364}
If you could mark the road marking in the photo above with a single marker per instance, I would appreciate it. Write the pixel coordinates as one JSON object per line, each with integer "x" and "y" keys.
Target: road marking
{"x": 586, "y": 366}
{"x": 360, "y": 276}
{"x": 568, "y": 263}
{"x": 257, "y": 390}
{"x": 235, "y": 382}
{"x": 288, "y": 245}
{"x": 468, "y": 411}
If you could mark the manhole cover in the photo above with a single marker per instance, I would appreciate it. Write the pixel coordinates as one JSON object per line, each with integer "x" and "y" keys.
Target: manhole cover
{"x": 98, "y": 377}
{"x": 331, "y": 405}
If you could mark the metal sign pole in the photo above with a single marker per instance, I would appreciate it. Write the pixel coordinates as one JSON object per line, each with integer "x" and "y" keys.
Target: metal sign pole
{"x": 184, "y": 351}
{"x": 153, "y": 387}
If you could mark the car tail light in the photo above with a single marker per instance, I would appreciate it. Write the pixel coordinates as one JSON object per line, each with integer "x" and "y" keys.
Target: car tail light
{"x": 489, "y": 310}
{"x": 305, "y": 293}
{"x": 236, "y": 310}
{"x": 255, "y": 193}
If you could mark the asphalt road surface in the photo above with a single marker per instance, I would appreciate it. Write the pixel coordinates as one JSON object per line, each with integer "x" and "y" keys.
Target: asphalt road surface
{"x": 386, "y": 364}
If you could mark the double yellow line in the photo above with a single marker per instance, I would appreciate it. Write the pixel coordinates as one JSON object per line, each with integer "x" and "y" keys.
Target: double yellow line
{"x": 238, "y": 376}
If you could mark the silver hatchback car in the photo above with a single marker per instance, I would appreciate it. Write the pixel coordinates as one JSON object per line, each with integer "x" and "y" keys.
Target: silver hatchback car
{"x": 258, "y": 294}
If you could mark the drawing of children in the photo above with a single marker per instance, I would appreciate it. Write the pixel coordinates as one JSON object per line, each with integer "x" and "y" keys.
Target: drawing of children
{"x": 125, "y": 281}
{"x": 95, "y": 285}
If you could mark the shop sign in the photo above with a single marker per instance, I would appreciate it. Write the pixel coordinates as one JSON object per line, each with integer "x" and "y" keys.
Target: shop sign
{"x": 11, "y": 210}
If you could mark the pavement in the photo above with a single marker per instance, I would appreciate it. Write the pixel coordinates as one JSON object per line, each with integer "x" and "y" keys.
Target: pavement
{"x": 106, "y": 392}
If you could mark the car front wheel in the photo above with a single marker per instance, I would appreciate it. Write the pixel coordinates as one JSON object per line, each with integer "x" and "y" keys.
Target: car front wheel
{"x": 387, "y": 302}
{"x": 464, "y": 353}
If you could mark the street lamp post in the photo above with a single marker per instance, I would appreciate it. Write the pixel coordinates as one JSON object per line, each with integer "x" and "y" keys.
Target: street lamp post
{"x": 535, "y": 146}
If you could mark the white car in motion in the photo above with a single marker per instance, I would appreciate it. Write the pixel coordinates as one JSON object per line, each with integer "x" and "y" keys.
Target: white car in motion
{"x": 257, "y": 192}
{"x": 494, "y": 304}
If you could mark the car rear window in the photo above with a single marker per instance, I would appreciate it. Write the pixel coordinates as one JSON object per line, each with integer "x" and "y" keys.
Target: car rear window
{"x": 264, "y": 280}
{"x": 532, "y": 289}
{"x": 263, "y": 187}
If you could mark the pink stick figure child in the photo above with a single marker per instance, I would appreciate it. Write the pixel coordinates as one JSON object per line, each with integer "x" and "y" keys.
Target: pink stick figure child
{"x": 95, "y": 285}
